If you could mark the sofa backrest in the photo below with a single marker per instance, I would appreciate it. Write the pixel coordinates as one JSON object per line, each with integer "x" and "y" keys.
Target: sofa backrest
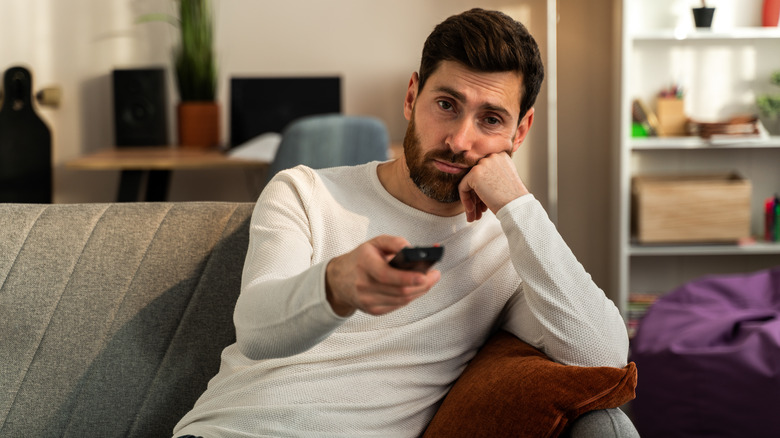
{"x": 113, "y": 316}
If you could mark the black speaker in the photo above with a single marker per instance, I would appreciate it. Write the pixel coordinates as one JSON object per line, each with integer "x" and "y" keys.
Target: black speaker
{"x": 140, "y": 107}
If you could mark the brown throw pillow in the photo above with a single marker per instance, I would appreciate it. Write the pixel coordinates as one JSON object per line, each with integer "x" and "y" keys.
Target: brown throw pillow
{"x": 512, "y": 389}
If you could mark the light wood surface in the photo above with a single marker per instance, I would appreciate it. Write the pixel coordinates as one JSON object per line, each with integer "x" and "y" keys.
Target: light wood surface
{"x": 171, "y": 158}
{"x": 159, "y": 158}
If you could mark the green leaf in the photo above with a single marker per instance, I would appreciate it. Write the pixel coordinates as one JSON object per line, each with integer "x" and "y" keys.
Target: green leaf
{"x": 193, "y": 57}
{"x": 775, "y": 78}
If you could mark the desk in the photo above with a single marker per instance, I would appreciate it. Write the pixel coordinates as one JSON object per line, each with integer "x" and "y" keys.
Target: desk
{"x": 158, "y": 162}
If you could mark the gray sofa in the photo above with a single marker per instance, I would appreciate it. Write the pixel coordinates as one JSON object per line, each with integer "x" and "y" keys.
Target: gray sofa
{"x": 113, "y": 316}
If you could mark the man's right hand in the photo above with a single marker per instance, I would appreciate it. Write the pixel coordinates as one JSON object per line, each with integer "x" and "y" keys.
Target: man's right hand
{"x": 363, "y": 280}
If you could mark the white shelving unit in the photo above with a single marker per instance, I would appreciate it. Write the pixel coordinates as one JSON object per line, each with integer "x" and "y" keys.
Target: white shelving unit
{"x": 721, "y": 71}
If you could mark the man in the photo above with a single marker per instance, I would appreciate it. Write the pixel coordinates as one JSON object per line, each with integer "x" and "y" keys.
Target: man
{"x": 331, "y": 340}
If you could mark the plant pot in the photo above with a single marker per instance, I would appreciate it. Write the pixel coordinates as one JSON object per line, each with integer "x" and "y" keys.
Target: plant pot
{"x": 198, "y": 124}
{"x": 771, "y": 123}
{"x": 703, "y": 17}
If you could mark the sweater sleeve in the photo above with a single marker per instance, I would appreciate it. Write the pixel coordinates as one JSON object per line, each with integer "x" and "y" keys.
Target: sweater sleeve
{"x": 559, "y": 308}
{"x": 282, "y": 309}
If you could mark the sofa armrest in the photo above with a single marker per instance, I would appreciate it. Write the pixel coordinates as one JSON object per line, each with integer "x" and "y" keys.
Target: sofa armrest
{"x": 602, "y": 423}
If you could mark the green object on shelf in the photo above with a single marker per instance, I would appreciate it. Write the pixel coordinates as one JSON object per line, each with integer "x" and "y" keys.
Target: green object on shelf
{"x": 777, "y": 220}
{"x": 638, "y": 130}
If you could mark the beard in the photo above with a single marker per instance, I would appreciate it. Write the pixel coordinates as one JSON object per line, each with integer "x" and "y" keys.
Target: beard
{"x": 433, "y": 183}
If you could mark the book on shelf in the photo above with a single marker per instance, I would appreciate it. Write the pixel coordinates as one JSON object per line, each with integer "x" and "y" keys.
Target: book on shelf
{"x": 638, "y": 305}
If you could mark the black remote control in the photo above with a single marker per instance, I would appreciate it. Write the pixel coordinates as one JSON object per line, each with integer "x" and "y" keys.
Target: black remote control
{"x": 418, "y": 258}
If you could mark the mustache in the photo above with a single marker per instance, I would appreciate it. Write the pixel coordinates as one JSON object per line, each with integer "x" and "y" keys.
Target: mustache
{"x": 449, "y": 156}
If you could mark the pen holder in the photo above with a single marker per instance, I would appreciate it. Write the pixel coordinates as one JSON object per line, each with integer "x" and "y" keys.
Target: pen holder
{"x": 671, "y": 116}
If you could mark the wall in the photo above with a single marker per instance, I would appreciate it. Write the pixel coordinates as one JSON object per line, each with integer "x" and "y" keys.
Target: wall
{"x": 586, "y": 73}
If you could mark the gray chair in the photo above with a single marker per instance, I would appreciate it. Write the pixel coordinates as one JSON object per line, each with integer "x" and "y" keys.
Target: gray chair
{"x": 331, "y": 140}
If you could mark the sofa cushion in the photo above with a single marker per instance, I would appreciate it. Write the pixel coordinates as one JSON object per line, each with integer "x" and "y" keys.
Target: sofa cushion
{"x": 512, "y": 389}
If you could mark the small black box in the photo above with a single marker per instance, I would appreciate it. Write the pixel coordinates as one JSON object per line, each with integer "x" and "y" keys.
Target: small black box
{"x": 140, "y": 107}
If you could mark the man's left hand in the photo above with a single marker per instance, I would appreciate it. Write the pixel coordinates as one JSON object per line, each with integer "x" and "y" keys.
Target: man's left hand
{"x": 491, "y": 184}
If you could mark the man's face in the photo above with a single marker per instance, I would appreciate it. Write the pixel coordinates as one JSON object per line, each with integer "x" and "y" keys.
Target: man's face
{"x": 458, "y": 118}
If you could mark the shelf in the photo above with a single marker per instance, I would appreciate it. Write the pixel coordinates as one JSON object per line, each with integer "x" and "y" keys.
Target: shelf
{"x": 741, "y": 33}
{"x": 674, "y": 143}
{"x": 722, "y": 70}
{"x": 758, "y": 248}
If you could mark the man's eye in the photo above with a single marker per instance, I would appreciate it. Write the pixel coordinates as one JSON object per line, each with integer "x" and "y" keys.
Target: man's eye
{"x": 492, "y": 120}
{"x": 443, "y": 104}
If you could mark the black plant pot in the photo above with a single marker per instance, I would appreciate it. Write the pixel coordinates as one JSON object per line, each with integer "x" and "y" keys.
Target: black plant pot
{"x": 703, "y": 16}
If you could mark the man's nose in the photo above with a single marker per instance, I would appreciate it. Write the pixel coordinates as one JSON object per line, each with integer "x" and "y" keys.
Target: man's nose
{"x": 462, "y": 136}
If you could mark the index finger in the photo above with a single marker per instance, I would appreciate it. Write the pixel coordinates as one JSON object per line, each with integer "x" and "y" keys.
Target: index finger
{"x": 389, "y": 245}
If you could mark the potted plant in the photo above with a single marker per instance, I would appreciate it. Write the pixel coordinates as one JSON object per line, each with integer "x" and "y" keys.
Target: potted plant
{"x": 703, "y": 16}
{"x": 196, "y": 76}
{"x": 195, "y": 72}
{"x": 769, "y": 107}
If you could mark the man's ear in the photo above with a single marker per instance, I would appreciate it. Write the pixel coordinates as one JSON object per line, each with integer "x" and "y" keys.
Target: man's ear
{"x": 522, "y": 129}
{"x": 411, "y": 95}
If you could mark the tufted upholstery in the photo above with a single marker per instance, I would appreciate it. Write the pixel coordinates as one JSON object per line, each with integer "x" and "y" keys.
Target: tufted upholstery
{"x": 113, "y": 316}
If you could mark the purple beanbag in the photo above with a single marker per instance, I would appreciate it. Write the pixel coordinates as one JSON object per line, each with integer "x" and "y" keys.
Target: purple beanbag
{"x": 708, "y": 356}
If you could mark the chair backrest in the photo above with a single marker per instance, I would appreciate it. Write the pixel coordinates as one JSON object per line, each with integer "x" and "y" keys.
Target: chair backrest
{"x": 331, "y": 140}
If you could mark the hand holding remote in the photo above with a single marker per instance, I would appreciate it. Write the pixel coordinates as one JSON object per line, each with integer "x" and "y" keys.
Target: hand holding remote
{"x": 362, "y": 279}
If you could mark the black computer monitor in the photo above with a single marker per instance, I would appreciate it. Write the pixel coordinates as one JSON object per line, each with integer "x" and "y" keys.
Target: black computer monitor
{"x": 268, "y": 104}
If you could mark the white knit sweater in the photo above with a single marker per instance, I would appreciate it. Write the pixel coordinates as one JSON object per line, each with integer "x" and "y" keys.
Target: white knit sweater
{"x": 298, "y": 369}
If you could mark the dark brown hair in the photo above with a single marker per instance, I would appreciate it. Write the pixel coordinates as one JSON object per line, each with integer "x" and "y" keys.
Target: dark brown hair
{"x": 486, "y": 41}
